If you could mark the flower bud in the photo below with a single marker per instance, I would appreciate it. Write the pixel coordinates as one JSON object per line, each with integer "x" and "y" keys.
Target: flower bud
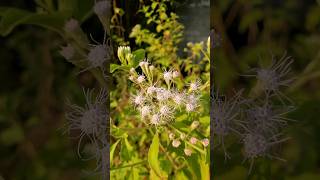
{"x": 175, "y": 74}
{"x": 193, "y": 140}
{"x": 182, "y": 136}
{"x": 71, "y": 25}
{"x": 67, "y": 52}
{"x": 132, "y": 71}
{"x": 167, "y": 76}
{"x": 205, "y": 142}
{"x": 171, "y": 136}
{"x": 194, "y": 125}
{"x": 176, "y": 143}
{"x": 188, "y": 151}
{"x": 131, "y": 78}
{"x": 141, "y": 79}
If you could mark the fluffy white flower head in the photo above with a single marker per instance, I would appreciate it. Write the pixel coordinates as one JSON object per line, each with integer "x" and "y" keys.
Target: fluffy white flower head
{"x": 190, "y": 107}
{"x": 155, "y": 119}
{"x": 139, "y": 99}
{"x": 98, "y": 55}
{"x": 165, "y": 110}
{"x": 141, "y": 79}
{"x": 167, "y": 76}
{"x": 145, "y": 111}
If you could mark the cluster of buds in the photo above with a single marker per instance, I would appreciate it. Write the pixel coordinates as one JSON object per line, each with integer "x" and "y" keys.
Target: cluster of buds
{"x": 190, "y": 142}
{"x": 257, "y": 121}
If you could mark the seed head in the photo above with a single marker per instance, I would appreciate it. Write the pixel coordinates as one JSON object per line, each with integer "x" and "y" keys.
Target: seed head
{"x": 275, "y": 76}
{"x": 102, "y": 7}
{"x": 90, "y": 119}
{"x": 255, "y": 145}
{"x": 98, "y": 55}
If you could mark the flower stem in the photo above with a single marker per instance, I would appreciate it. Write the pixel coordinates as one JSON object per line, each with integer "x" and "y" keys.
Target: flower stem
{"x": 129, "y": 165}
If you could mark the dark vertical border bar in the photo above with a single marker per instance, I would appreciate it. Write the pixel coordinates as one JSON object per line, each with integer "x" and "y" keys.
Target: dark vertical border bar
{"x": 211, "y": 88}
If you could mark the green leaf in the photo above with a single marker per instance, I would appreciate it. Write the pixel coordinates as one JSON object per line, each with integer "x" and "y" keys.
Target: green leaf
{"x": 182, "y": 118}
{"x": 194, "y": 165}
{"x": 139, "y": 55}
{"x": 13, "y": 17}
{"x": 114, "y": 67}
{"x": 81, "y": 10}
{"x": 112, "y": 149}
{"x": 153, "y": 175}
{"x": 154, "y": 5}
{"x": 153, "y": 156}
{"x": 12, "y": 135}
{"x": 250, "y": 18}
{"x": 126, "y": 149}
{"x": 204, "y": 169}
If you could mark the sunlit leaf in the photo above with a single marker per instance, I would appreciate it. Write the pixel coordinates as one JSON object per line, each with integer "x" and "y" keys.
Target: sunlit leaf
{"x": 153, "y": 156}
{"x": 112, "y": 149}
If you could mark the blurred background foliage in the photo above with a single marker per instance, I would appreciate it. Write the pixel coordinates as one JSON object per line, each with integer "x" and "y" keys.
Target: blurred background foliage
{"x": 35, "y": 84}
{"x": 250, "y": 33}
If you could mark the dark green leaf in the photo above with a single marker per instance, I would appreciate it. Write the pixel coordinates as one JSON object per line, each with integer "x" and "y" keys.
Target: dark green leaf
{"x": 114, "y": 67}
{"x": 139, "y": 55}
{"x": 13, "y": 17}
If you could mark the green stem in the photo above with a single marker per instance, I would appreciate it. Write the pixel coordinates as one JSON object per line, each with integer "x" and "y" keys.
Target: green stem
{"x": 129, "y": 165}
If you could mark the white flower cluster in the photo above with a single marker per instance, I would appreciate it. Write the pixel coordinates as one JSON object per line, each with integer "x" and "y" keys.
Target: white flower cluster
{"x": 157, "y": 104}
{"x": 158, "y": 101}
